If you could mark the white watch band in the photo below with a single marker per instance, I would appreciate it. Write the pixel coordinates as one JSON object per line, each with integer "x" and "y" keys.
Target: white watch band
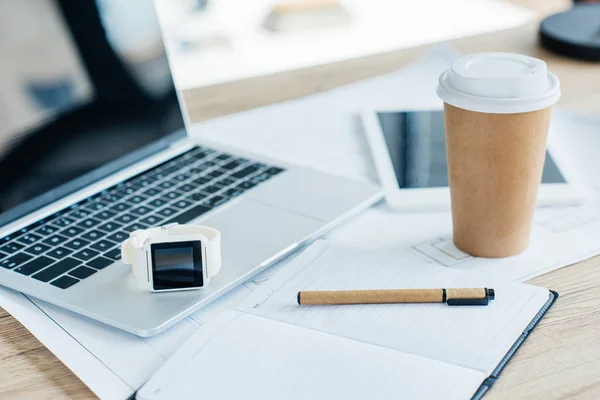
{"x": 133, "y": 252}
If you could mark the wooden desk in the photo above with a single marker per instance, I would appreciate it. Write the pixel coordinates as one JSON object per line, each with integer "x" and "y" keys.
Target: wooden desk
{"x": 562, "y": 357}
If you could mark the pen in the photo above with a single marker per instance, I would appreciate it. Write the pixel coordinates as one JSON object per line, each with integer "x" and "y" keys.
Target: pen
{"x": 452, "y": 297}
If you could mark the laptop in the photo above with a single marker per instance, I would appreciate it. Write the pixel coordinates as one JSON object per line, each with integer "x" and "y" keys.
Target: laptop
{"x": 93, "y": 146}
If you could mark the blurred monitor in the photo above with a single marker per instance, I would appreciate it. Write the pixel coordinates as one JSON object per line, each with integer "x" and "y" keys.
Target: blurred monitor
{"x": 82, "y": 84}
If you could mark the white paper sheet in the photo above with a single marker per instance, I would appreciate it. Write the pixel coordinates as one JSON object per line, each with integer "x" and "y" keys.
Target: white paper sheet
{"x": 476, "y": 338}
{"x": 283, "y": 361}
{"x": 357, "y": 351}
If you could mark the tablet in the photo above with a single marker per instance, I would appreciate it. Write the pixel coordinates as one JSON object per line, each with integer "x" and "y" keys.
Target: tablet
{"x": 409, "y": 150}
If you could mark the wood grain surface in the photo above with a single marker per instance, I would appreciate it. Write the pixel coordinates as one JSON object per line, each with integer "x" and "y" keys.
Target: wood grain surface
{"x": 561, "y": 359}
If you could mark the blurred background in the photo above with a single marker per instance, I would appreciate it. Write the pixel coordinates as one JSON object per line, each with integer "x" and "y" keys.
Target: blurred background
{"x": 65, "y": 62}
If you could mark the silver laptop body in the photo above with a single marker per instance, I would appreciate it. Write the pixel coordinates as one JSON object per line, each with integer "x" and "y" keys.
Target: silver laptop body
{"x": 276, "y": 215}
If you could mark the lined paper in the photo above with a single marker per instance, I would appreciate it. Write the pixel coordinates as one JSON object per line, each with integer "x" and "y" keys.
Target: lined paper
{"x": 249, "y": 357}
{"x": 474, "y": 337}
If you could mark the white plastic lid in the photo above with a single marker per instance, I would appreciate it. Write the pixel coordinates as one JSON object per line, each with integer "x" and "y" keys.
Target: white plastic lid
{"x": 499, "y": 83}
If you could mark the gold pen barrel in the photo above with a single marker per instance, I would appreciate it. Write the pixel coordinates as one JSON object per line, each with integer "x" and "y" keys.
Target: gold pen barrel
{"x": 371, "y": 296}
{"x": 466, "y": 294}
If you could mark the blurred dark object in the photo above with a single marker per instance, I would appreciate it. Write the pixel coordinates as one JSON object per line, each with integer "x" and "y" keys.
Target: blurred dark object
{"x": 574, "y": 33}
{"x": 130, "y": 102}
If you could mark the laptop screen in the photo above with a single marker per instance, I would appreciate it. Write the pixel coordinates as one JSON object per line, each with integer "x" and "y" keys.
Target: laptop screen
{"x": 85, "y": 89}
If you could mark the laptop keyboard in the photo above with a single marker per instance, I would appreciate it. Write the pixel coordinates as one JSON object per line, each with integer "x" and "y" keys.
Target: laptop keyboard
{"x": 74, "y": 243}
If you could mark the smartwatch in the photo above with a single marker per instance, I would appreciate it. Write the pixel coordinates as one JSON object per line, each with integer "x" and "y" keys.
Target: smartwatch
{"x": 173, "y": 257}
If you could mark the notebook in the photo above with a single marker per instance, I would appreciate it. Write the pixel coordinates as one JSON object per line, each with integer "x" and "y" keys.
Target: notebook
{"x": 269, "y": 347}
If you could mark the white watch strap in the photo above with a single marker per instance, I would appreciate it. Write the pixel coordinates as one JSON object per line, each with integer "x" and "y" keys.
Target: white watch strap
{"x": 132, "y": 249}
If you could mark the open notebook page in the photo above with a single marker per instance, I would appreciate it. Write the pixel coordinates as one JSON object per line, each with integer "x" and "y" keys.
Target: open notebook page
{"x": 242, "y": 356}
{"x": 473, "y": 337}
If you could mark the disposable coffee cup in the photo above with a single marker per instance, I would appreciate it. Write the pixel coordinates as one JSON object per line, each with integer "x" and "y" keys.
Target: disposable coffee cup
{"x": 496, "y": 112}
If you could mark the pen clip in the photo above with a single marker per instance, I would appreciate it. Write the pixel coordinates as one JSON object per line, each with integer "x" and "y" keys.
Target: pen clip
{"x": 490, "y": 294}
{"x": 468, "y": 302}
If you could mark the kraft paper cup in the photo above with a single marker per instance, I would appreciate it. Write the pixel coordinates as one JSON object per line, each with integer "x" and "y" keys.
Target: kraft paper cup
{"x": 497, "y": 111}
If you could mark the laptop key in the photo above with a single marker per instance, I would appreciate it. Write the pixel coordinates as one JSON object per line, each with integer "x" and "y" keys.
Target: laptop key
{"x": 158, "y": 203}
{"x": 223, "y": 157}
{"x": 59, "y": 253}
{"x": 110, "y": 227}
{"x": 244, "y": 172}
{"x": 11, "y": 247}
{"x": 103, "y": 245}
{"x": 119, "y": 236}
{"x": 62, "y": 222}
{"x": 152, "y": 220}
{"x": 173, "y": 195}
{"x": 100, "y": 262}
{"x": 86, "y": 254}
{"x": 80, "y": 214}
{"x": 260, "y": 178}
{"x": 56, "y": 270}
{"x": 114, "y": 254}
{"x": 136, "y": 199}
{"x": 82, "y": 272}
{"x": 105, "y": 214}
{"x": 34, "y": 266}
{"x": 3, "y": 255}
{"x": 201, "y": 181}
{"x": 198, "y": 196}
{"x": 95, "y": 206}
{"x": 88, "y": 223}
{"x": 72, "y": 231}
{"x": 181, "y": 177}
{"x": 167, "y": 212}
{"x": 189, "y": 215}
{"x": 30, "y": 238}
{"x": 274, "y": 170}
{"x": 7, "y": 238}
{"x": 143, "y": 210}
{"x": 166, "y": 184}
{"x": 181, "y": 204}
{"x": 211, "y": 189}
{"x": 37, "y": 249}
{"x": 215, "y": 174}
{"x": 151, "y": 192}
{"x": 216, "y": 201}
{"x": 225, "y": 182}
{"x": 125, "y": 219}
{"x": 112, "y": 197}
{"x": 234, "y": 164}
{"x": 246, "y": 185}
{"x": 15, "y": 261}
{"x": 186, "y": 188}
{"x": 232, "y": 192}
{"x": 64, "y": 282}
{"x": 77, "y": 244}
{"x": 55, "y": 240}
{"x": 120, "y": 207}
{"x": 92, "y": 236}
{"x": 47, "y": 230}
{"x": 134, "y": 227}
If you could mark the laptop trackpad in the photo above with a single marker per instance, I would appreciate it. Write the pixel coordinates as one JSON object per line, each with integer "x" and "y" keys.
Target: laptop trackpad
{"x": 253, "y": 232}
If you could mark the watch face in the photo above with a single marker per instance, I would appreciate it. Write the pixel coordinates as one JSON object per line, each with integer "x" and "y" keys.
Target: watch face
{"x": 177, "y": 265}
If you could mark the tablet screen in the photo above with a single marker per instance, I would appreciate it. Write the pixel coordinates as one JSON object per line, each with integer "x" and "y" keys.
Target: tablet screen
{"x": 417, "y": 147}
